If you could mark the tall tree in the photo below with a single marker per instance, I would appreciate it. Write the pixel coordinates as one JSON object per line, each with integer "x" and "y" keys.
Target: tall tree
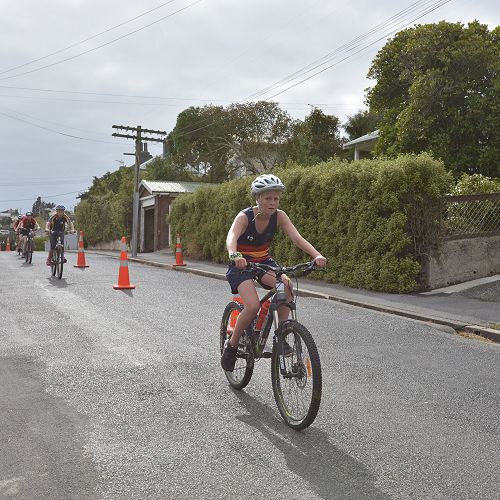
{"x": 316, "y": 138}
{"x": 361, "y": 123}
{"x": 40, "y": 206}
{"x": 438, "y": 90}
{"x": 217, "y": 141}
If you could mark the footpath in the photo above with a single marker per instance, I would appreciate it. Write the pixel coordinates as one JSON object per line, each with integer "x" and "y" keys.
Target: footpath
{"x": 467, "y": 308}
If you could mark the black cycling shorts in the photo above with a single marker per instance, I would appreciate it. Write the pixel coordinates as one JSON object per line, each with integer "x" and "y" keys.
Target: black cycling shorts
{"x": 235, "y": 276}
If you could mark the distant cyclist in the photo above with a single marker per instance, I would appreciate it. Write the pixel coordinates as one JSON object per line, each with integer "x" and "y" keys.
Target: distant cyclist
{"x": 28, "y": 223}
{"x": 248, "y": 240}
{"x": 15, "y": 226}
{"x": 56, "y": 226}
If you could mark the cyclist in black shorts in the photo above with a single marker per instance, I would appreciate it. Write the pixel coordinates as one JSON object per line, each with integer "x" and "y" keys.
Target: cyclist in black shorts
{"x": 248, "y": 240}
{"x": 56, "y": 225}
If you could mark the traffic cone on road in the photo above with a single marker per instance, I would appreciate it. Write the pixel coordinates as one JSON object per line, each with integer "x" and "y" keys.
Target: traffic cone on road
{"x": 8, "y": 246}
{"x": 123, "y": 277}
{"x": 178, "y": 252}
{"x": 81, "y": 254}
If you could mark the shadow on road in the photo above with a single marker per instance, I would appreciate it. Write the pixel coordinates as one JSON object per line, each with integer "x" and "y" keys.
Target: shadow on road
{"x": 59, "y": 283}
{"x": 330, "y": 472}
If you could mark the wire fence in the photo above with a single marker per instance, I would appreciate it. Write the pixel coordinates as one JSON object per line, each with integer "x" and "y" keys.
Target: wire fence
{"x": 471, "y": 216}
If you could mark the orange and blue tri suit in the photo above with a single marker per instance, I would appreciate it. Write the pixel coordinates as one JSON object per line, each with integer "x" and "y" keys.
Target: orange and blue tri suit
{"x": 254, "y": 247}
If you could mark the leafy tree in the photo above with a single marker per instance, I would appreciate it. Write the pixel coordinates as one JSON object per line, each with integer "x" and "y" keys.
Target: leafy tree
{"x": 40, "y": 207}
{"x": 164, "y": 169}
{"x": 217, "y": 141}
{"x": 438, "y": 90}
{"x": 316, "y": 138}
{"x": 260, "y": 133}
{"x": 197, "y": 140}
{"x": 361, "y": 123}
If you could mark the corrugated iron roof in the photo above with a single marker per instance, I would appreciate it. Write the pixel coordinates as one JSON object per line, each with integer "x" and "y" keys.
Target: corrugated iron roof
{"x": 372, "y": 136}
{"x": 172, "y": 187}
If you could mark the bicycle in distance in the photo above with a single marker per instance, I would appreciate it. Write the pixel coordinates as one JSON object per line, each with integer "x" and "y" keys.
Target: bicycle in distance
{"x": 29, "y": 247}
{"x": 295, "y": 364}
{"x": 58, "y": 260}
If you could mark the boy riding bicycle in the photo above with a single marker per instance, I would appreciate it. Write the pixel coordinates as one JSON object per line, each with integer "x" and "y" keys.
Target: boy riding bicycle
{"x": 248, "y": 240}
{"x": 28, "y": 223}
{"x": 56, "y": 225}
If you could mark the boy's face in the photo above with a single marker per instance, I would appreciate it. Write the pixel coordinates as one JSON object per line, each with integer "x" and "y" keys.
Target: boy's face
{"x": 59, "y": 213}
{"x": 269, "y": 202}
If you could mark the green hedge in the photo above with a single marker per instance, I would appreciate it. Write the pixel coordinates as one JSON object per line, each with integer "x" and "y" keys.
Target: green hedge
{"x": 40, "y": 243}
{"x": 373, "y": 219}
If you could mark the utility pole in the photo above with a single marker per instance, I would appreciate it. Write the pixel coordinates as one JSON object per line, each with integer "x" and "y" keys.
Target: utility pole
{"x": 138, "y": 137}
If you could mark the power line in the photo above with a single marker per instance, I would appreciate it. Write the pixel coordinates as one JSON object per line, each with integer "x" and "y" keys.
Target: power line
{"x": 350, "y": 46}
{"x": 88, "y": 38}
{"x": 52, "y": 130}
{"x": 102, "y": 45}
{"x": 53, "y": 123}
{"x": 42, "y": 196}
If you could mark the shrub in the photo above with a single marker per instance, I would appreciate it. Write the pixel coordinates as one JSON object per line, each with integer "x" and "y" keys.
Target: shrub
{"x": 373, "y": 219}
{"x": 40, "y": 243}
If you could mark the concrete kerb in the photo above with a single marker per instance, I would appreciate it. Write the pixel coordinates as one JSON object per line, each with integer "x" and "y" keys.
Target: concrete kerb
{"x": 489, "y": 333}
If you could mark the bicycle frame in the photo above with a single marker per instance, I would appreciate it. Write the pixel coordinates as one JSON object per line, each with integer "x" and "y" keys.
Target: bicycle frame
{"x": 278, "y": 299}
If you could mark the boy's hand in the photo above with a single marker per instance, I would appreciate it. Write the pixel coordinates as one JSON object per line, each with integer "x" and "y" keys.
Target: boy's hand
{"x": 320, "y": 261}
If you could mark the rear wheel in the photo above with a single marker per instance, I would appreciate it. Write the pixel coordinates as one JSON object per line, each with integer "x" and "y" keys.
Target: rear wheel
{"x": 28, "y": 251}
{"x": 297, "y": 391}
{"x": 243, "y": 369}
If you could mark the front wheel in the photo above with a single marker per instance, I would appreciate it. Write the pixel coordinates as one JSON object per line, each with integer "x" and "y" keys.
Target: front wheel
{"x": 243, "y": 369}
{"x": 60, "y": 259}
{"x": 297, "y": 383}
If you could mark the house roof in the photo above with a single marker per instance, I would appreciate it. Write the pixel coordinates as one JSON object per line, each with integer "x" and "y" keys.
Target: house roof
{"x": 364, "y": 140}
{"x": 154, "y": 187}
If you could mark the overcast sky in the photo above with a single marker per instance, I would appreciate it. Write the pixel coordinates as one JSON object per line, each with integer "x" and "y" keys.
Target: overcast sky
{"x": 70, "y": 69}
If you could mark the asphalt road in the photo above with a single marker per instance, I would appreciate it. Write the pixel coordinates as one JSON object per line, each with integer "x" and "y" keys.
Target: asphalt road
{"x": 119, "y": 394}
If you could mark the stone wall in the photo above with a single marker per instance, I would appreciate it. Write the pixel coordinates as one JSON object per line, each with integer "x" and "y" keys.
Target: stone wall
{"x": 108, "y": 245}
{"x": 456, "y": 261}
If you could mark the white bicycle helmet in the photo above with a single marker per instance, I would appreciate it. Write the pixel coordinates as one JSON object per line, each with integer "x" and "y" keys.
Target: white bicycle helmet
{"x": 267, "y": 182}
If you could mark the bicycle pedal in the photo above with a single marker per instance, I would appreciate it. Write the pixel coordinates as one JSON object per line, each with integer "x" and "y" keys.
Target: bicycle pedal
{"x": 266, "y": 354}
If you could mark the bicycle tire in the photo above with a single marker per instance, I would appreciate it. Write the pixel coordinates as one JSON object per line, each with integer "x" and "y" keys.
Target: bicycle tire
{"x": 26, "y": 251}
{"x": 53, "y": 268}
{"x": 297, "y": 395}
{"x": 60, "y": 257}
{"x": 30, "y": 251}
{"x": 243, "y": 369}
{"x": 56, "y": 274}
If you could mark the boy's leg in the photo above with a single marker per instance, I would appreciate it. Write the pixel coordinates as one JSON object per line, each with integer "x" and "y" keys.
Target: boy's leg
{"x": 248, "y": 294}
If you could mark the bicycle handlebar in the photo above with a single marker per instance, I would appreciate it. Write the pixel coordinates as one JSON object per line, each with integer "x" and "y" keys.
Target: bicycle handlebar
{"x": 304, "y": 268}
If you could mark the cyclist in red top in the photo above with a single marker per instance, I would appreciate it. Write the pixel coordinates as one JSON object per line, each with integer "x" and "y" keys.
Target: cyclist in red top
{"x": 248, "y": 240}
{"x": 28, "y": 223}
{"x": 15, "y": 226}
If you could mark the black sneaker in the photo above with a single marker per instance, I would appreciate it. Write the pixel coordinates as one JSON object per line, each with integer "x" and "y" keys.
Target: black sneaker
{"x": 228, "y": 358}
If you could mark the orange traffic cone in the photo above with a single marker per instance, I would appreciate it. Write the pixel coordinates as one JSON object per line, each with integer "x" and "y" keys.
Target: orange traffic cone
{"x": 123, "y": 277}
{"x": 81, "y": 254}
{"x": 8, "y": 246}
{"x": 178, "y": 252}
